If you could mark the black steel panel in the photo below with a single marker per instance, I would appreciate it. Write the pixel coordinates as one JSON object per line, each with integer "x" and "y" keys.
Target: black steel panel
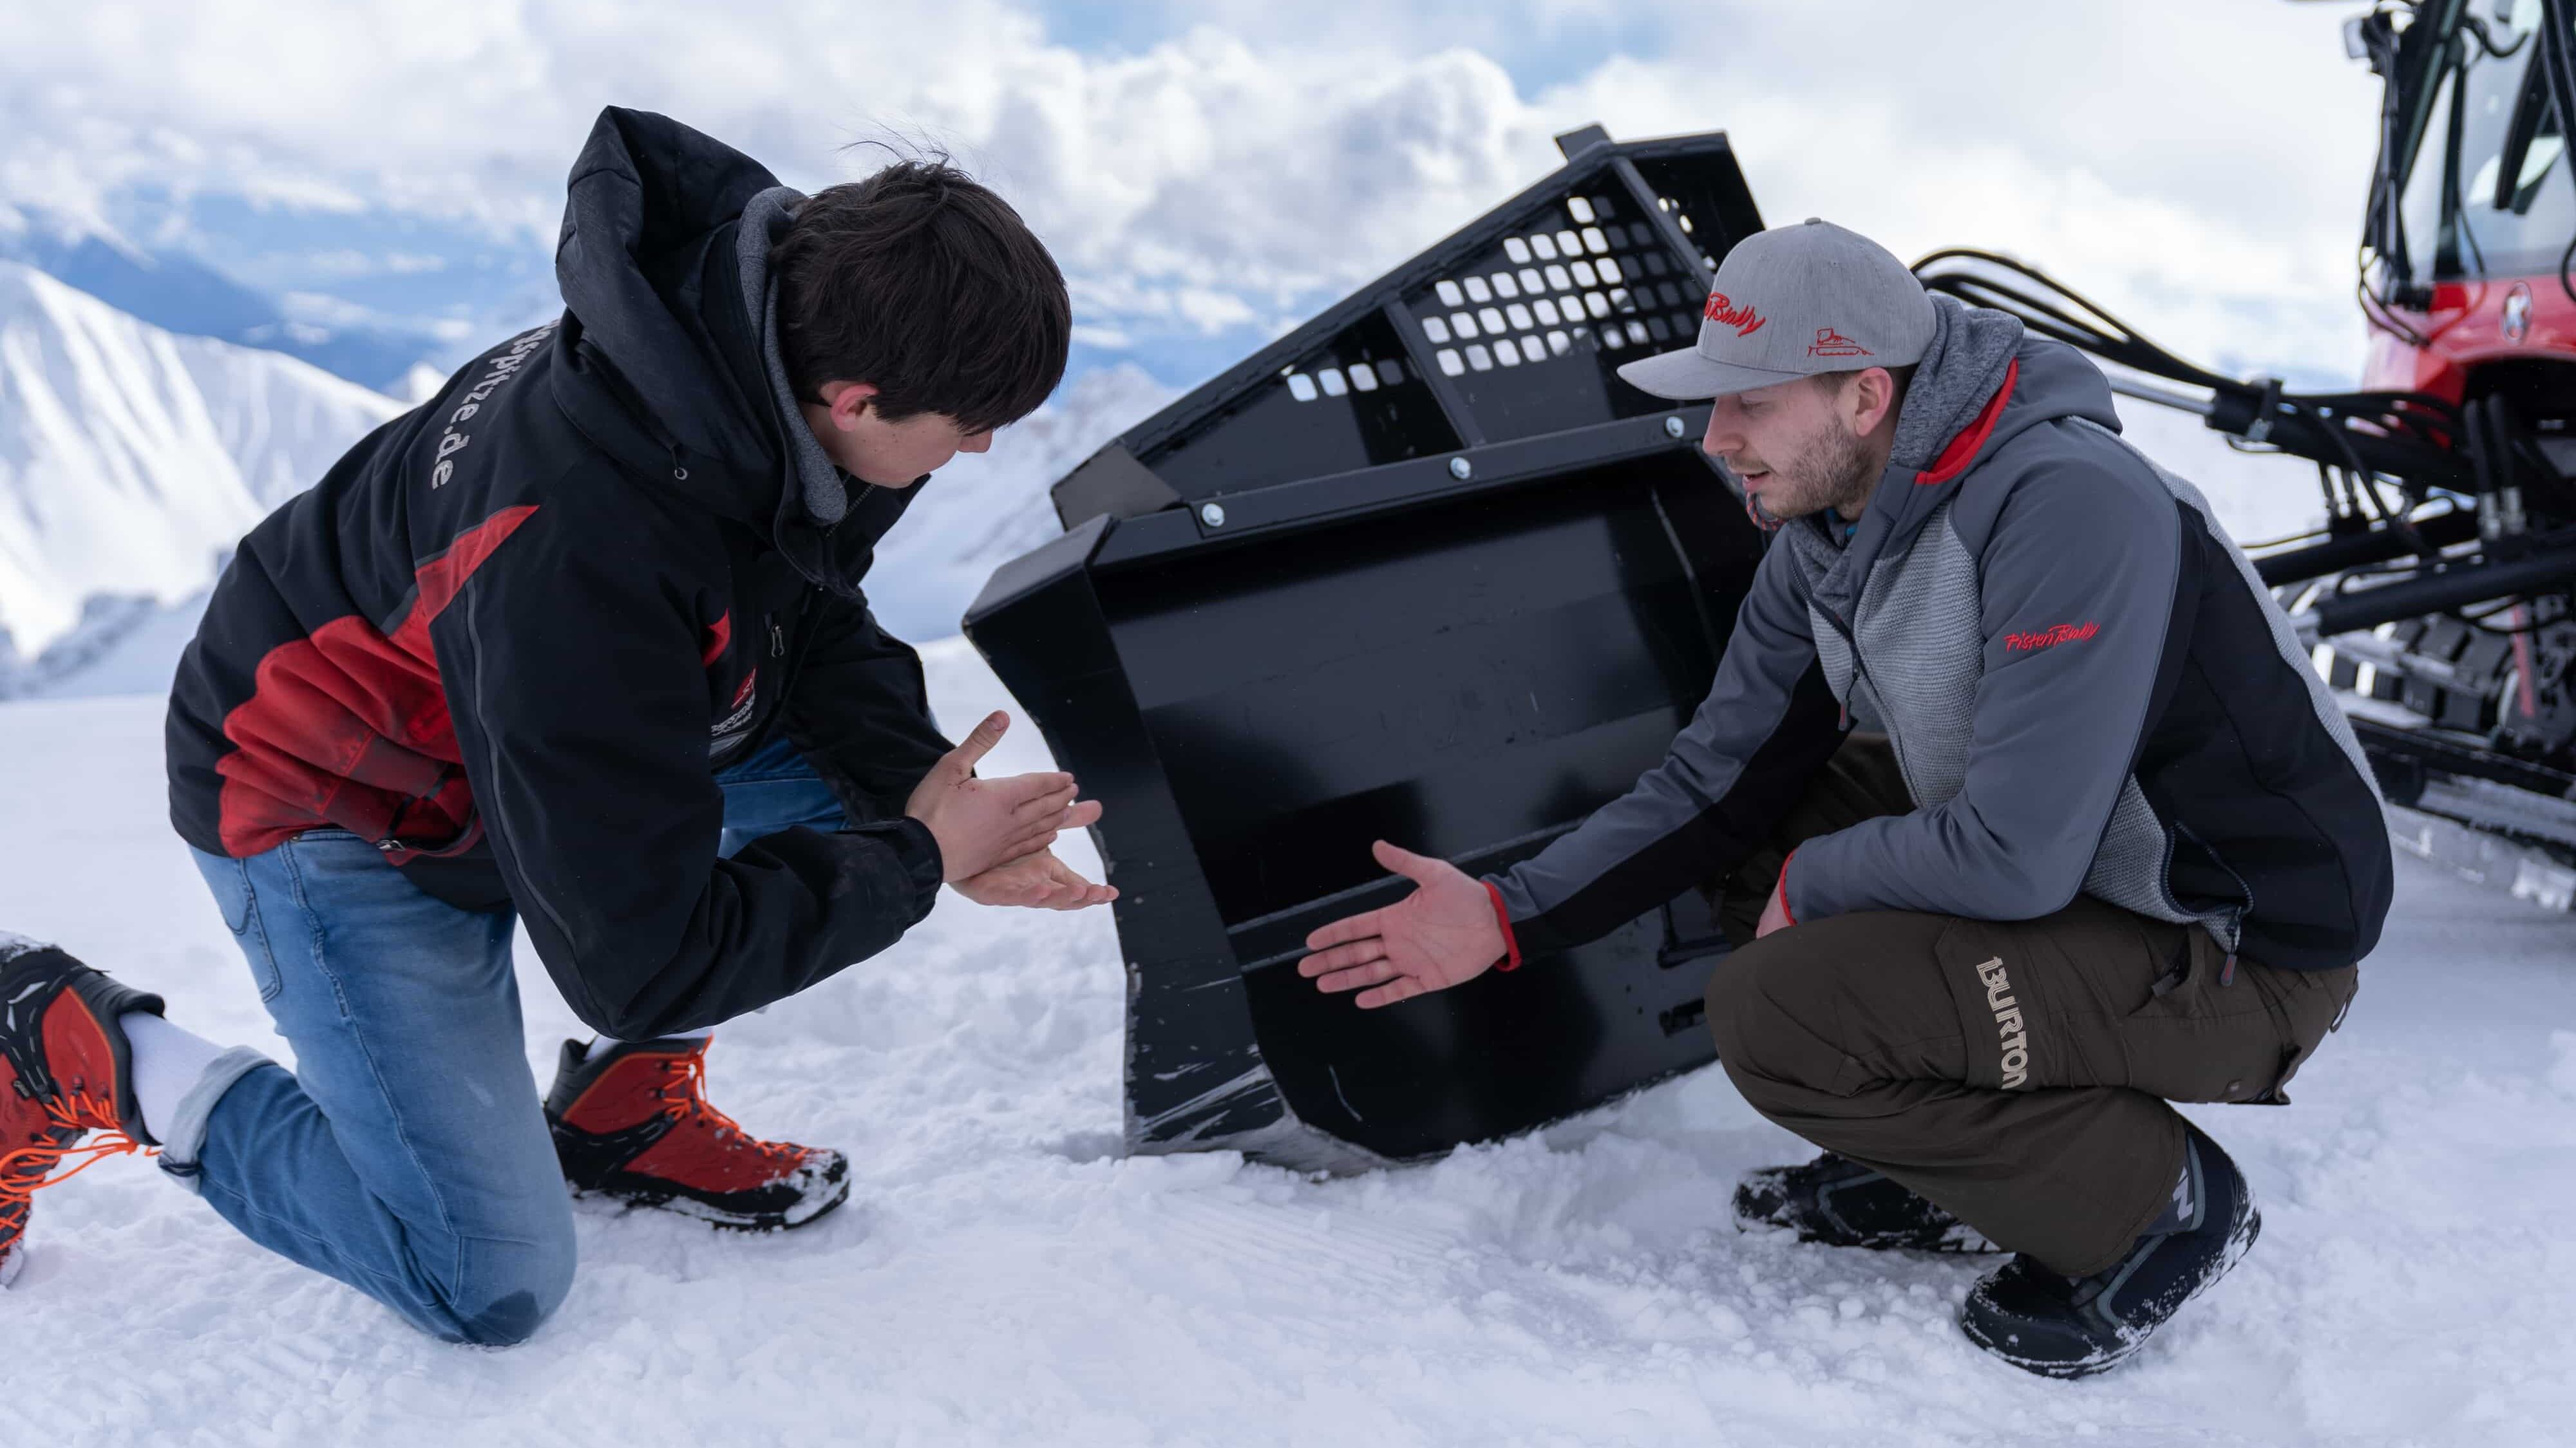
{"x": 1350, "y": 403}
{"x": 1192, "y": 1066}
{"x": 1444, "y": 679}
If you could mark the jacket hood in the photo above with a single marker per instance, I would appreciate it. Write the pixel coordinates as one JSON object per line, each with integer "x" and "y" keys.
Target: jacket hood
{"x": 667, "y": 278}
{"x": 1983, "y": 381}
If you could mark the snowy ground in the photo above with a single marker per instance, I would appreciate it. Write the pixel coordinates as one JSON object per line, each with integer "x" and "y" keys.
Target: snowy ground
{"x": 1003, "y": 1277}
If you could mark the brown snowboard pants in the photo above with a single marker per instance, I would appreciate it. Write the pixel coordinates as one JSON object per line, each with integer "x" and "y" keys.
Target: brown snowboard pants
{"x": 2014, "y": 1072}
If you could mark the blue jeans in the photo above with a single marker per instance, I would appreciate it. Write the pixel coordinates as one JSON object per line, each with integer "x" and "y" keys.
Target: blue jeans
{"x": 408, "y": 1154}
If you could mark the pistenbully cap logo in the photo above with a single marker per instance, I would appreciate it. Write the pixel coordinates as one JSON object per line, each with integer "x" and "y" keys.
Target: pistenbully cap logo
{"x": 1727, "y": 314}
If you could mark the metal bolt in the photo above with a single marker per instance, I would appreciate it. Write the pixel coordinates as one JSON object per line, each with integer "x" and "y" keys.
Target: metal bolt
{"x": 1461, "y": 469}
{"x": 1212, "y": 514}
{"x": 1673, "y": 427}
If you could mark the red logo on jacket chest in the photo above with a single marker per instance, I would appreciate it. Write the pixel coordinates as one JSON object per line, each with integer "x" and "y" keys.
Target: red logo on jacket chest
{"x": 2049, "y": 638}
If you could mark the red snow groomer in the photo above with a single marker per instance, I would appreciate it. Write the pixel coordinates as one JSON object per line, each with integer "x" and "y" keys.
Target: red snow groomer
{"x": 1425, "y": 570}
{"x": 2438, "y": 590}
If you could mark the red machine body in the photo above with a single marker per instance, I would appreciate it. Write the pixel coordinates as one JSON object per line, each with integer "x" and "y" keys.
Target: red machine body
{"x": 2470, "y": 325}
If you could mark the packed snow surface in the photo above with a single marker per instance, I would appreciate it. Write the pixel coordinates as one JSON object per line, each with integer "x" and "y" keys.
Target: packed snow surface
{"x": 1003, "y": 1276}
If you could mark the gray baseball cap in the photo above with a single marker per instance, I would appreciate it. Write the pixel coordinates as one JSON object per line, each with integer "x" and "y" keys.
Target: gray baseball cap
{"x": 1792, "y": 302}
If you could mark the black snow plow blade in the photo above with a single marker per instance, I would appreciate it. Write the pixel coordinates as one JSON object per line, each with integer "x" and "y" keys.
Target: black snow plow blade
{"x": 1424, "y": 570}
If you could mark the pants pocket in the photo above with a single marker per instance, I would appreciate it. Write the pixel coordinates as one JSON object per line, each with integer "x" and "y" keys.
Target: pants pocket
{"x": 229, "y": 880}
{"x": 2204, "y": 1035}
{"x": 2307, "y": 1004}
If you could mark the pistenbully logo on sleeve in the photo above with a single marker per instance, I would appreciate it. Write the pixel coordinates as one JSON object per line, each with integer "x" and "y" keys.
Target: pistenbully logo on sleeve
{"x": 2015, "y": 1041}
{"x": 2051, "y": 637}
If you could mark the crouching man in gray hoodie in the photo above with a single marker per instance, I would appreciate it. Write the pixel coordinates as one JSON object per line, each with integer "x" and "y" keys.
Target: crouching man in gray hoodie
{"x": 2116, "y": 847}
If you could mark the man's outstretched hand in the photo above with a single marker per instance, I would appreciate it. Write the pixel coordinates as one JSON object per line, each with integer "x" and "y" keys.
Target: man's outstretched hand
{"x": 1442, "y": 934}
{"x": 981, "y": 823}
{"x": 1039, "y": 882}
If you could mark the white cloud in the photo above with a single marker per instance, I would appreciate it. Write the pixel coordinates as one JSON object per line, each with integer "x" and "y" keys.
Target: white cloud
{"x": 2197, "y": 163}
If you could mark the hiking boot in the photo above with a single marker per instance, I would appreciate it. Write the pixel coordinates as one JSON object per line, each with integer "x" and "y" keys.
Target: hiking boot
{"x": 65, "y": 1071}
{"x": 2073, "y": 1327}
{"x": 1840, "y": 1203}
{"x": 634, "y": 1124}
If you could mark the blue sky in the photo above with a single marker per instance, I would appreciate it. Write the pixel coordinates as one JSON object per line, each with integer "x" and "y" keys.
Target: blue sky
{"x": 388, "y": 178}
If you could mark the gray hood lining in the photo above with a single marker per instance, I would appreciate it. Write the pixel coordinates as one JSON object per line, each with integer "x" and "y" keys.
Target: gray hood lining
{"x": 1971, "y": 348}
{"x": 764, "y": 218}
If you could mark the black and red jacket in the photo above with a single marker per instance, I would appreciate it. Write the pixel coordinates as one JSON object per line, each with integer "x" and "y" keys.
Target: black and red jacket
{"x": 513, "y": 634}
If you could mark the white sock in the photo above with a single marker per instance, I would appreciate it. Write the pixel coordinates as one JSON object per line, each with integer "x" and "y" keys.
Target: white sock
{"x": 167, "y": 1061}
{"x": 602, "y": 1045}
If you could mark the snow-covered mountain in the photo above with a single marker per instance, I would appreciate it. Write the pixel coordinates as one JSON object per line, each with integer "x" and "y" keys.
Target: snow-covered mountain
{"x": 183, "y": 293}
{"x": 131, "y": 461}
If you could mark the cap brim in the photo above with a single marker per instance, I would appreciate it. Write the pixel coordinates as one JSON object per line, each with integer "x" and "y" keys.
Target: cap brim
{"x": 1686, "y": 376}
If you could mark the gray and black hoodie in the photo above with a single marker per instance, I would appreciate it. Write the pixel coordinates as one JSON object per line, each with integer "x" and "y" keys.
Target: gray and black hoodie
{"x": 2085, "y": 685}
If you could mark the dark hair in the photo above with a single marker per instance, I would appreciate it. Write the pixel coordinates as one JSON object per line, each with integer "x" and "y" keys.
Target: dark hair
{"x": 928, "y": 286}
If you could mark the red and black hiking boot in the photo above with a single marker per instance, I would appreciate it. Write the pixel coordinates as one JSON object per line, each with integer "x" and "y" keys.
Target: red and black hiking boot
{"x": 64, "y": 1073}
{"x": 634, "y": 1124}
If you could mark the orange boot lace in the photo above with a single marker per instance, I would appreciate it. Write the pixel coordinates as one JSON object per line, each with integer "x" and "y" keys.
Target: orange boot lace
{"x": 688, "y": 1074}
{"x": 30, "y": 1169}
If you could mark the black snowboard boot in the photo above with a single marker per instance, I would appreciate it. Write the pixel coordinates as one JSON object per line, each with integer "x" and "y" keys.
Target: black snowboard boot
{"x": 1839, "y": 1202}
{"x": 2073, "y": 1327}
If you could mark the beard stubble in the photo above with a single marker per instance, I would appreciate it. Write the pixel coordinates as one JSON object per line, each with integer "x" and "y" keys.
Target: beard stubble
{"x": 1830, "y": 469}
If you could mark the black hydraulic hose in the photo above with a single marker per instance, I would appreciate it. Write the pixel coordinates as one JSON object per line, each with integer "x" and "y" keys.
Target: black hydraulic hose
{"x": 2441, "y": 592}
{"x": 2418, "y": 430}
{"x": 2297, "y": 565}
{"x": 2054, "y": 310}
{"x": 2383, "y": 233}
{"x": 2052, "y": 313}
{"x": 2556, "y": 57}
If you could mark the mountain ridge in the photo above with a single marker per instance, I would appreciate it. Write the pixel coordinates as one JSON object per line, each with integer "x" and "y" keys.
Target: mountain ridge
{"x": 191, "y": 296}
{"x": 132, "y": 459}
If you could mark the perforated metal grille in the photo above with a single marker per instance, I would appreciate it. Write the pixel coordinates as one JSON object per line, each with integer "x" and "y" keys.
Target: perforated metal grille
{"x": 1580, "y": 280}
{"x": 1513, "y": 327}
{"x": 1350, "y": 403}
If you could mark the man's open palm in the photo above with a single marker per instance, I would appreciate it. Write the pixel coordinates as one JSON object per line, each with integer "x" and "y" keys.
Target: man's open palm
{"x": 981, "y": 823}
{"x": 1438, "y": 936}
{"x": 1036, "y": 882}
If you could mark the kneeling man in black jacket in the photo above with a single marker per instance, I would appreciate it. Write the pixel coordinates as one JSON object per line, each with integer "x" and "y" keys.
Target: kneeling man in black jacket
{"x": 579, "y": 643}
